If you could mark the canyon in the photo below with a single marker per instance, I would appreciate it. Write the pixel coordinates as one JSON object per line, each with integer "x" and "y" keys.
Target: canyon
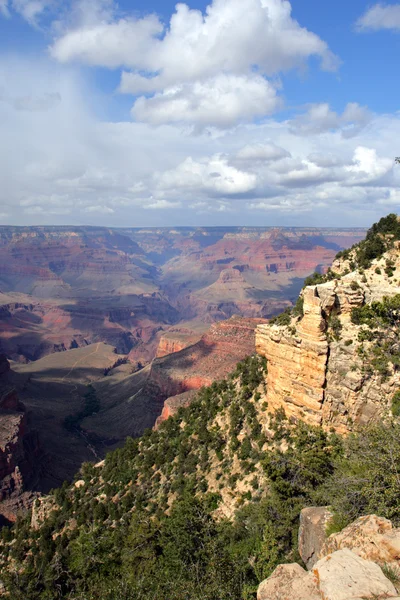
{"x": 66, "y": 287}
{"x": 144, "y": 317}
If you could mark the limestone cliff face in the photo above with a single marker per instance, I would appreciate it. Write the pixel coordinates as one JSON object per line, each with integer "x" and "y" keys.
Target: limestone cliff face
{"x": 316, "y": 374}
{"x": 297, "y": 362}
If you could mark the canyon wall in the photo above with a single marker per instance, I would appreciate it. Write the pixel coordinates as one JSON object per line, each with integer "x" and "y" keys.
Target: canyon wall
{"x": 19, "y": 450}
{"x": 316, "y": 370}
{"x": 210, "y": 359}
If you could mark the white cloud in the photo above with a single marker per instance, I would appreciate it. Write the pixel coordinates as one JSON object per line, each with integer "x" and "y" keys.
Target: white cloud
{"x": 97, "y": 208}
{"x": 368, "y": 166}
{"x": 31, "y": 10}
{"x": 160, "y": 204}
{"x": 108, "y": 44}
{"x": 222, "y": 101}
{"x": 213, "y": 176}
{"x": 261, "y": 152}
{"x": 203, "y": 68}
{"x": 64, "y": 161}
{"x": 320, "y": 118}
{"x": 380, "y": 16}
{"x": 232, "y": 36}
{"x": 4, "y": 10}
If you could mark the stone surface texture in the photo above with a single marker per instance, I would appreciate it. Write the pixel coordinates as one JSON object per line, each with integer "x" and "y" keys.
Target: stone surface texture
{"x": 349, "y": 567}
{"x": 317, "y": 378}
{"x": 288, "y": 582}
{"x": 344, "y": 575}
{"x": 312, "y": 533}
{"x": 371, "y": 537}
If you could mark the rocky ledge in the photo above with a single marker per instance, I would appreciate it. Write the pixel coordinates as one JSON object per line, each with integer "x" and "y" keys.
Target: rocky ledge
{"x": 315, "y": 366}
{"x": 354, "y": 564}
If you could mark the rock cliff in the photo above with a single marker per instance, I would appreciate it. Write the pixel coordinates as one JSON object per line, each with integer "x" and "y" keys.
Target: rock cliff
{"x": 19, "y": 450}
{"x": 210, "y": 359}
{"x": 323, "y": 367}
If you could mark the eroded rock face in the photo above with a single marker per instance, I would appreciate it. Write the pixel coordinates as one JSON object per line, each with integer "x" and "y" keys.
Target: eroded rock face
{"x": 342, "y": 575}
{"x": 297, "y": 362}
{"x": 312, "y": 533}
{"x": 172, "y": 342}
{"x": 19, "y": 449}
{"x": 210, "y": 359}
{"x": 349, "y": 567}
{"x": 316, "y": 375}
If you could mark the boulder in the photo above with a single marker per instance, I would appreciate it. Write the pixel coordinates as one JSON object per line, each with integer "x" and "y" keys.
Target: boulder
{"x": 288, "y": 582}
{"x": 344, "y": 575}
{"x": 312, "y": 533}
{"x": 371, "y": 537}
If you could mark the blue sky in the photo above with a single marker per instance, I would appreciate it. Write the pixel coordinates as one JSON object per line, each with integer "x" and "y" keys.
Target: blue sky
{"x": 229, "y": 112}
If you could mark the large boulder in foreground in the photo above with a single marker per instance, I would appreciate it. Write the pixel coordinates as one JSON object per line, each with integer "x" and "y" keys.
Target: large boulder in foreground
{"x": 371, "y": 537}
{"x": 289, "y": 582}
{"x": 342, "y": 575}
{"x": 312, "y": 533}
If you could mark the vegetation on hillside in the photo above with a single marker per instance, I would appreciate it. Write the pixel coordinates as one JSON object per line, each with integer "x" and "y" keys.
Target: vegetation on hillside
{"x": 91, "y": 407}
{"x": 380, "y": 238}
{"x": 380, "y": 339}
{"x": 146, "y": 525}
{"x": 208, "y": 505}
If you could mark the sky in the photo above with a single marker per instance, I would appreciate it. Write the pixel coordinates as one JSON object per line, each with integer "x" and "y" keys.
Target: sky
{"x": 232, "y": 112}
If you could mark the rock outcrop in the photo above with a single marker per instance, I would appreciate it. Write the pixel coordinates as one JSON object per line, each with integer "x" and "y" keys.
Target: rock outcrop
{"x": 312, "y": 533}
{"x": 19, "y": 450}
{"x": 175, "y": 341}
{"x": 340, "y": 576}
{"x": 348, "y": 566}
{"x": 370, "y": 537}
{"x": 315, "y": 368}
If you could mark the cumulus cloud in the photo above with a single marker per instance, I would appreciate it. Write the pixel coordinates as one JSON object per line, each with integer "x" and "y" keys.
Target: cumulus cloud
{"x": 108, "y": 44}
{"x": 261, "y": 152}
{"x": 63, "y": 162}
{"x": 206, "y": 68}
{"x": 222, "y": 101}
{"x": 367, "y": 166}
{"x": 380, "y": 16}
{"x": 232, "y": 35}
{"x": 214, "y": 176}
{"x": 319, "y": 118}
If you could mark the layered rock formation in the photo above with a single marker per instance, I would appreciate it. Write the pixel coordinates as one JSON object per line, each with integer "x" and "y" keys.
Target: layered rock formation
{"x": 64, "y": 287}
{"x": 175, "y": 341}
{"x": 212, "y": 358}
{"x": 315, "y": 365}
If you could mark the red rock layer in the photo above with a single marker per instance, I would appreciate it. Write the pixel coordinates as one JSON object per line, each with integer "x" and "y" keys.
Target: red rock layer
{"x": 212, "y": 358}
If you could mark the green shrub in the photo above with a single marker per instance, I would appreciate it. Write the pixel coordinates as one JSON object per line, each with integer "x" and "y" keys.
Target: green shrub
{"x": 283, "y": 319}
{"x": 396, "y": 404}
